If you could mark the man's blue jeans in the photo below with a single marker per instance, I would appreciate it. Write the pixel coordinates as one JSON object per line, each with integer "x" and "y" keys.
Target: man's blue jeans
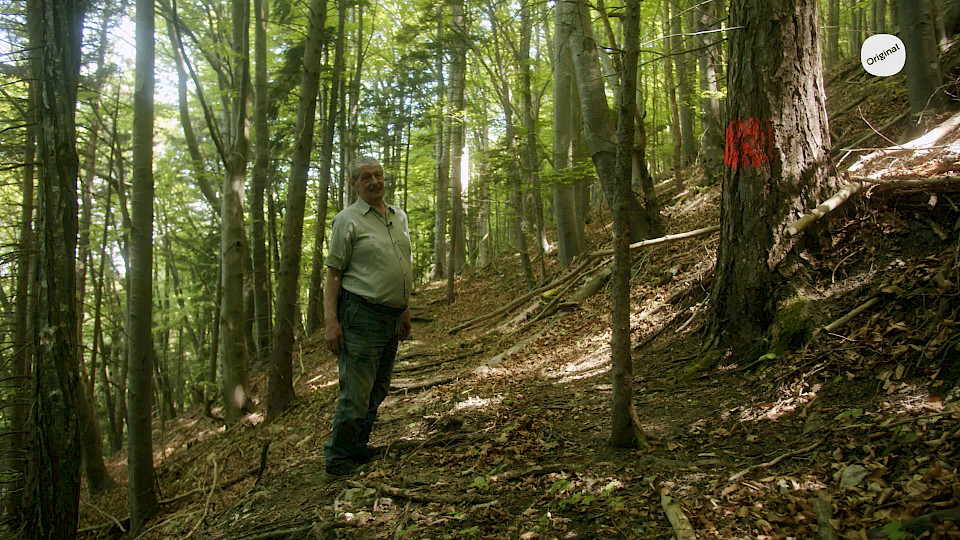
{"x": 365, "y": 364}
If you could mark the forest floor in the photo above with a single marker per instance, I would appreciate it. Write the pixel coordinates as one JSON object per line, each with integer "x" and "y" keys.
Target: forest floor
{"x": 499, "y": 430}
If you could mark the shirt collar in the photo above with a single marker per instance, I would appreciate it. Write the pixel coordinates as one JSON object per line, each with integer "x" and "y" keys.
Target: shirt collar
{"x": 365, "y": 207}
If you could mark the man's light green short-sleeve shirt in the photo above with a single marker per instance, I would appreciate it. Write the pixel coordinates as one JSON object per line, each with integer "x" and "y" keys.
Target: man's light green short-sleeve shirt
{"x": 373, "y": 252}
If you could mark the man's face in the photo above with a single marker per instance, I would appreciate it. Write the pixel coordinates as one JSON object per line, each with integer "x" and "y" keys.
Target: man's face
{"x": 369, "y": 184}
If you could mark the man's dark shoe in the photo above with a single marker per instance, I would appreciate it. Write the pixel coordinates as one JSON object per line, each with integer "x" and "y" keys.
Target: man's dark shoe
{"x": 343, "y": 469}
{"x": 369, "y": 453}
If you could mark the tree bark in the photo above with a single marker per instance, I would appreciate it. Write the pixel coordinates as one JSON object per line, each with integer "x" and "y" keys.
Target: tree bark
{"x": 681, "y": 59}
{"x": 233, "y": 336}
{"x": 625, "y": 430}
{"x": 280, "y": 383}
{"x": 458, "y": 76}
{"x": 315, "y": 301}
{"x": 923, "y": 66}
{"x": 24, "y": 305}
{"x": 777, "y": 142}
{"x": 141, "y": 494}
{"x": 711, "y": 151}
{"x": 598, "y": 123}
{"x": 259, "y": 182}
{"x": 671, "y": 86}
{"x": 568, "y": 220}
{"x": 442, "y": 175}
{"x": 52, "y": 485}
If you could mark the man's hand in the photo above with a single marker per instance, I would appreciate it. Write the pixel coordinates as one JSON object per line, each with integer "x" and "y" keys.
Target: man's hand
{"x": 334, "y": 337}
{"x": 405, "y": 325}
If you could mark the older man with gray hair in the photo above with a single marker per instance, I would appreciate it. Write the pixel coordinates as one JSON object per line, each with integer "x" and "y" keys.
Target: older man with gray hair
{"x": 368, "y": 287}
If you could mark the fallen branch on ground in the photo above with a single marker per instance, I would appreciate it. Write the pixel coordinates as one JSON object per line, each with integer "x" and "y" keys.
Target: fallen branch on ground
{"x": 588, "y": 259}
{"x": 430, "y": 498}
{"x": 772, "y": 462}
{"x": 539, "y": 470}
{"x": 678, "y": 520}
{"x": 824, "y": 209}
{"x": 824, "y": 511}
{"x": 837, "y": 324}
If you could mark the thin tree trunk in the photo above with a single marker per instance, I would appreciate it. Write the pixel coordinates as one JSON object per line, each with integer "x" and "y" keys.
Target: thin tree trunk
{"x": 681, "y": 60}
{"x": 141, "y": 494}
{"x": 625, "y": 424}
{"x": 280, "y": 383}
{"x": 711, "y": 151}
{"x": 671, "y": 87}
{"x": 232, "y": 238}
{"x": 315, "y": 301}
{"x": 458, "y": 74}
{"x": 260, "y": 179}
{"x": 923, "y": 66}
{"x": 23, "y": 329}
{"x": 568, "y": 219}
{"x": 442, "y": 178}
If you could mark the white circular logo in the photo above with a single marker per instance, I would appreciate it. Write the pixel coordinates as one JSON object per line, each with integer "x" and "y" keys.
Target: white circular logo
{"x": 883, "y": 55}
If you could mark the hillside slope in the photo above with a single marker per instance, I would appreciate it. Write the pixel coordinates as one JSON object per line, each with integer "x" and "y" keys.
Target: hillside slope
{"x": 498, "y": 431}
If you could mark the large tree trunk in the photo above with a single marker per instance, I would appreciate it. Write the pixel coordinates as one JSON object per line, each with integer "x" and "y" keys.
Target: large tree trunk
{"x": 529, "y": 153}
{"x": 52, "y": 486}
{"x": 141, "y": 494}
{"x": 568, "y": 220}
{"x": 315, "y": 301}
{"x": 259, "y": 182}
{"x": 625, "y": 430}
{"x": 280, "y": 390}
{"x": 598, "y": 123}
{"x": 923, "y": 65}
{"x": 776, "y": 155}
{"x": 233, "y": 342}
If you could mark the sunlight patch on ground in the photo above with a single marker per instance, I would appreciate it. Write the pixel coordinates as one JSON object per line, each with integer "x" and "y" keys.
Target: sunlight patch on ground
{"x": 586, "y": 366}
{"x": 791, "y": 397}
{"x": 477, "y": 402}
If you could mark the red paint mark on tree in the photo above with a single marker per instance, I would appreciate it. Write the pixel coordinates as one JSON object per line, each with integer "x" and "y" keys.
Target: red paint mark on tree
{"x": 748, "y": 143}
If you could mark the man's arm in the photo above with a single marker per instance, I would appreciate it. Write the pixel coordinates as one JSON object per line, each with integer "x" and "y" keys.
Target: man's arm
{"x": 334, "y": 334}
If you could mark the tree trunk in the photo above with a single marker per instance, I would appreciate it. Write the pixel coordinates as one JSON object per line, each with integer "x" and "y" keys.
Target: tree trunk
{"x": 458, "y": 75}
{"x": 24, "y": 305}
{"x": 833, "y": 34}
{"x": 671, "y": 86}
{"x": 442, "y": 177}
{"x": 280, "y": 389}
{"x": 777, "y": 142}
{"x": 711, "y": 151}
{"x": 923, "y": 66}
{"x": 625, "y": 424}
{"x": 529, "y": 154}
{"x": 233, "y": 342}
{"x": 598, "y": 123}
{"x": 141, "y": 494}
{"x": 315, "y": 301}
{"x": 51, "y": 496}
{"x": 564, "y": 186}
{"x": 259, "y": 181}
{"x": 681, "y": 59}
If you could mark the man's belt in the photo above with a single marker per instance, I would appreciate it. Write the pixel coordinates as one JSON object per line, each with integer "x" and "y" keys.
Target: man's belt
{"x": 379, "y": 308}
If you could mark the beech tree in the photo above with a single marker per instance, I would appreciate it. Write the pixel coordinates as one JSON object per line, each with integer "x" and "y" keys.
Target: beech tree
{"x": 776, "y": 160}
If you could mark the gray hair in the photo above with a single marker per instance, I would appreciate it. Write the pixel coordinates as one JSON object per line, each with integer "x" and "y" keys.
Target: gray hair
{"x": 353, "y": 171}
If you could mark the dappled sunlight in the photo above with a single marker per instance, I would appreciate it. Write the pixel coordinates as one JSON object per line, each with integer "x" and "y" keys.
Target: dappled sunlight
{"x": 589, "y": 365}
{"x": 791, "y": 397}
{"x": 476, "y": 402}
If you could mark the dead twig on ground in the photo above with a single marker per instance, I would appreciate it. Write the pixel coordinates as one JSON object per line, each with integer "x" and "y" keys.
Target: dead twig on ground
{"x": 772, "y": 462}
{"x": 678, "y": 520}
{"x": 430, "y": 498}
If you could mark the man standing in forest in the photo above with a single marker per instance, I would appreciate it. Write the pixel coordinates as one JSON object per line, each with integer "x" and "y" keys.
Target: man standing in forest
{"x": 368, "y": 286}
